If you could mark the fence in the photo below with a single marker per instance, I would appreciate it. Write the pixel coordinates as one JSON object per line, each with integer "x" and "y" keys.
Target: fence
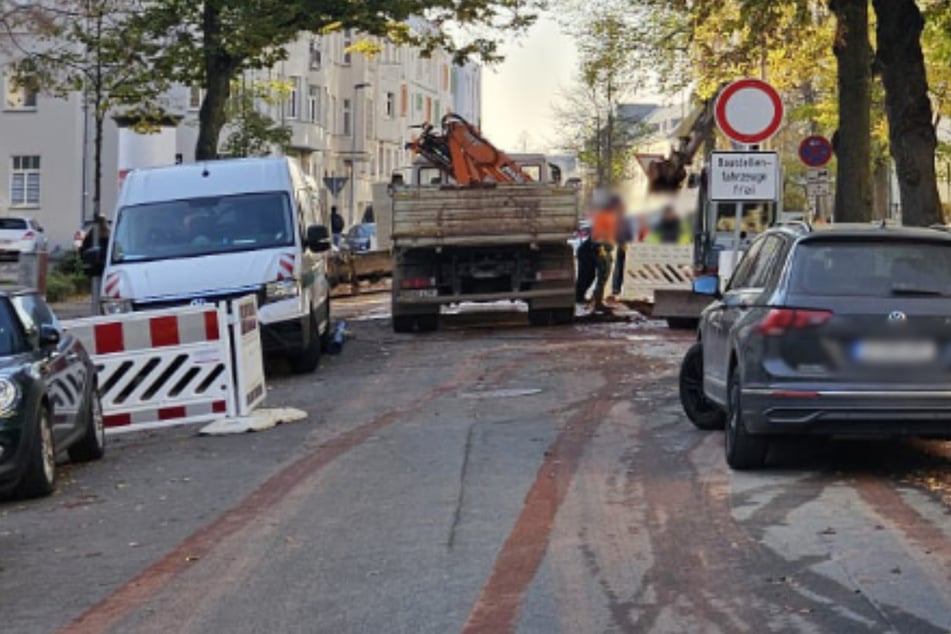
{"x": 183, "y": 365}
{"x": 651, "y": 267}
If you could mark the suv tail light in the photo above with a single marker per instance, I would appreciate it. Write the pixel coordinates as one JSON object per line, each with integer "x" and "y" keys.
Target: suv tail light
{"x": 780, "y": 320}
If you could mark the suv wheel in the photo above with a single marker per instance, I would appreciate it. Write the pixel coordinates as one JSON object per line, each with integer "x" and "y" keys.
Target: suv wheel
{"x": 703, "y": 413}
{"x": 743, "y": 449}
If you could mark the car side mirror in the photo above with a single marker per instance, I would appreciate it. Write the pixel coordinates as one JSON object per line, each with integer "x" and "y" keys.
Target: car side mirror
{"x": 707, "y": 285}
{"x": 318, "y": 238}
{"x": 49, "y": 337}
{"x": 94, "y": 261}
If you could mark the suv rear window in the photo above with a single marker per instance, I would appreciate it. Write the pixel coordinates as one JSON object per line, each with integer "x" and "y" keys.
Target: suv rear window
{"x": 12, "y": 223}
{"x": 872, "y": 268}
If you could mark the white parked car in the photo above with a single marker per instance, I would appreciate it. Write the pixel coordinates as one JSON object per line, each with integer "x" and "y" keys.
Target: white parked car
{"x": 19, "y": 234}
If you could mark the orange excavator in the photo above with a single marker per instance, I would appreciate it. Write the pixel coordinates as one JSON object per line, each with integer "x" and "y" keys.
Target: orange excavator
{"x": 465, "y": 155}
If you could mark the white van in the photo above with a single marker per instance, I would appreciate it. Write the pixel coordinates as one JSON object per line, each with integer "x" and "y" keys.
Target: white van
{"x": 205, "y": 232}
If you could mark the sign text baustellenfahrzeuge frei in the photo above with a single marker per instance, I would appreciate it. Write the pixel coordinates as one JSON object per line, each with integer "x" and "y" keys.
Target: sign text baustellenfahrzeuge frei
{"x": 744, "y": 176}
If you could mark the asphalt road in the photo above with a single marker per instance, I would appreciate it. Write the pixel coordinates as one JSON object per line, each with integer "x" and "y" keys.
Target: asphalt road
{"x": 487, "y": 478}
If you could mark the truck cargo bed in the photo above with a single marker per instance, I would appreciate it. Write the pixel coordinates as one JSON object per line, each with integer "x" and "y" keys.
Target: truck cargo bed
{"x": 430, "y": 216}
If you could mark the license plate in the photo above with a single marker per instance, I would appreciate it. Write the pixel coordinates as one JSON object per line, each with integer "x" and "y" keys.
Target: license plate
{"x": 423, "y": 292}
{"x": 903, "y": 352}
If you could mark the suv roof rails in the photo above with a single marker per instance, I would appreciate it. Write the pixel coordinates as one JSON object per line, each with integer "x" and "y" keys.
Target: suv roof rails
{"x": 801, "y": 225}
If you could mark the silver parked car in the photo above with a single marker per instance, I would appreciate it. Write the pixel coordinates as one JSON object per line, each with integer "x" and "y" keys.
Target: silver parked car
{"x": 840, "y": 331}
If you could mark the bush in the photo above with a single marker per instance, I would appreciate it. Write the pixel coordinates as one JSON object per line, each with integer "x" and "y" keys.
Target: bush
{"x": 59, "y": 287}
{"x": 66, "y": 278}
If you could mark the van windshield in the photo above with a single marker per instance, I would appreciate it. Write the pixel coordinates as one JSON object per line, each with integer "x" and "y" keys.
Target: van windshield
{"x": 203, "y": 226}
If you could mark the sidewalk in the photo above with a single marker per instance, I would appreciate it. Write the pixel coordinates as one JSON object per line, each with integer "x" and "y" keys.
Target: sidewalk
{"x": 74, "y": 308}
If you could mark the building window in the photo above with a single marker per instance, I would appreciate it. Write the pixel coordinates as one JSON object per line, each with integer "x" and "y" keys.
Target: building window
{"x": 313, "y": 104}
{"x": 369, "y": 118}
{"x": 445, "y": 76}
{"x": 195, "y": 96}
{"x": 419, "y": 102}
{"x": 18, "y": 97}
{"x": 390, "y": 105}
{"x": 404, "y": 101}
{"x": 346, "y": 117}
{"x": 293, "y": 99}
{"x": 25, "y": 182}
{"x": 429, "y": 109}
{"x": 316, "y": 54}
{"x": 347, "y": 42}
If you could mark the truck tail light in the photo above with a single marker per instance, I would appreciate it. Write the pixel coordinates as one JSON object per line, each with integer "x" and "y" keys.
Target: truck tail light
{"x": 780, "y": 320}
{"x": 556, "y": 274}
{"x": 417, "y": 283}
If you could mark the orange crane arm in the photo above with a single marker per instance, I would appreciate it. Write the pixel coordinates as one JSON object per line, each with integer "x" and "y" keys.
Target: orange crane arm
{"x": 467, "y": 156}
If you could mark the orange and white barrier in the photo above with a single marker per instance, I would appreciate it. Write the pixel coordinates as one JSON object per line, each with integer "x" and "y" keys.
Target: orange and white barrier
{"x": 182, "y": 365}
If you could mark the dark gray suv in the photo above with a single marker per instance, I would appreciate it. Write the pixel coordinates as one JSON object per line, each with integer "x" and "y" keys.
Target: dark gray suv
{"x": 844, "y": 330}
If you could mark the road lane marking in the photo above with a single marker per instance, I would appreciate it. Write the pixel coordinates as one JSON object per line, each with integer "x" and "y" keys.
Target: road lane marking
{"x": 497, "y": 608}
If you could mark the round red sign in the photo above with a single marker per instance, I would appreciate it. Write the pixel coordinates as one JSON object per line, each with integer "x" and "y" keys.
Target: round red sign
{"x": 749, "y": 111}
{"x": 815, "y": 151}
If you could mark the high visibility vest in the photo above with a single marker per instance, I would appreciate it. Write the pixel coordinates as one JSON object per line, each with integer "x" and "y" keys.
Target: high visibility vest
{"x": 604, "y": 227}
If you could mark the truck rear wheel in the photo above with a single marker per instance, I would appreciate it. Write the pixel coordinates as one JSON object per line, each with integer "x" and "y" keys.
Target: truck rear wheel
{"x": 404, "y": 323}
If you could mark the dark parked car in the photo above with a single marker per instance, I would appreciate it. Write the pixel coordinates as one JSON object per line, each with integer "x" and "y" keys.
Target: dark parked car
{"x": 49, "y": 403}
{"x": 361, "y": 238}
{"x": 839, "y": 331}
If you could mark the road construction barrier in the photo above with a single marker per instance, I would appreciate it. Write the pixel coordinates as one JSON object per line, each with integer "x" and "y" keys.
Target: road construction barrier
{"x": 651, "y": 267}
{"x": 175, "y": 366}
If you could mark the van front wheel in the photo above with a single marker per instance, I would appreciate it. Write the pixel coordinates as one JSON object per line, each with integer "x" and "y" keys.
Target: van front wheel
{"x": 306, "y": 361}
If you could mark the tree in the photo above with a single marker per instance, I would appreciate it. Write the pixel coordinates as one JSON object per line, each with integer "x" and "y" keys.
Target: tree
{"x": 211, "y": 43}
{"x": 911, "y": 131}
{"x": 253, "y": 132}
{"x": 853, "y": 139}
{"x": 606, "y": 76}
{"x": 91, "y": 47}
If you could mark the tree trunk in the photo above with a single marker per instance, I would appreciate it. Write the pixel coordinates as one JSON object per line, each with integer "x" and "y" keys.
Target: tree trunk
{"x": 911, "y": 132}
{"x": 853, "y": 140}
{"x": 219, "y": 66}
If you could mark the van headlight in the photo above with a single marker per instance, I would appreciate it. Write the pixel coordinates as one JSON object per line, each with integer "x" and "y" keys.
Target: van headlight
{"x": 9, "y": 396}
{"x": 280, "y": 290}
{"x": 116, "y": 306}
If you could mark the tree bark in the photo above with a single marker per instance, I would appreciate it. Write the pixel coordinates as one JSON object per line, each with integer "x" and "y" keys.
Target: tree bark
{"x": 853, "y": 140}
{"x": 911, "y": 132}
{"x": 219, "y": 66}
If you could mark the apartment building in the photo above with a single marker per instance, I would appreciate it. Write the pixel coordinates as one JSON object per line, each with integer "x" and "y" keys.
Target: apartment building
{"x": 350, "y": 117}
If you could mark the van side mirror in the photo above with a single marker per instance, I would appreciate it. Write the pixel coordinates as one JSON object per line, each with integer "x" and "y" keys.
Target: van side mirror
{"x": 49, "y": 337}
{"x": 707, "y": 285}
{"x": 94, "y": 261}
{"x": 318, "y": 238}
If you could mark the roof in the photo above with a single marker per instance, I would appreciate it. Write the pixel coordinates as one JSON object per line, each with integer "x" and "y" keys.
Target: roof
{"x": 858, "y": 230}
{"x": 210, "y": 178}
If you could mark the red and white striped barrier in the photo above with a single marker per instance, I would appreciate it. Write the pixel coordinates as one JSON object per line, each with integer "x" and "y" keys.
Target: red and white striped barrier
{"x": 175, "y": 366}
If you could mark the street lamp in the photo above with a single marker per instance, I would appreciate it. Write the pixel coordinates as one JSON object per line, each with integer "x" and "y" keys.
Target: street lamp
{"x": 353, "y": 148}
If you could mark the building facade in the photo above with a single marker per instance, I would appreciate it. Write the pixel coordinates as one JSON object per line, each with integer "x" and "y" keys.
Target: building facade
{"x": 350, "y": 115}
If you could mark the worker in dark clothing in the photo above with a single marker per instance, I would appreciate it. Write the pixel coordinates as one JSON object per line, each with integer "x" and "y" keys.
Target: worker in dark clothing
{"x": 625, "y": 235}
{"x": 368, "y": 215}
{"x": 336, "y": 224}
{"x": 587, "y": 261}
{"x": 669, "y": 228}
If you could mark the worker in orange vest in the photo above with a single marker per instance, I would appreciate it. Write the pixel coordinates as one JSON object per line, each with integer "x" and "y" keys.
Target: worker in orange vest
{"x": 605, "y": 218}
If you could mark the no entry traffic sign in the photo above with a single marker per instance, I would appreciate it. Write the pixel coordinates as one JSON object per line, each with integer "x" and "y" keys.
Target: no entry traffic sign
{"x": 749, "y": 111}
{"x": 815, "y": 151}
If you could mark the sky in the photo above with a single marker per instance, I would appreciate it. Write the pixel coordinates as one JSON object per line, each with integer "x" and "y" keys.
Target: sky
{"x": 519, "y": 93}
